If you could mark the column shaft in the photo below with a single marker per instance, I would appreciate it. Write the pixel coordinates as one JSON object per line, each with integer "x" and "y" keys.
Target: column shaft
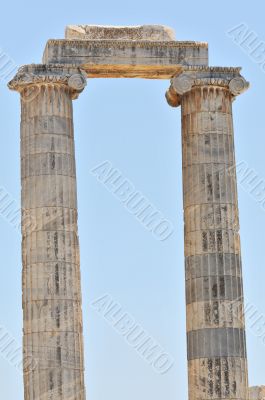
{"x": 51, "y": 272}
{"x": 214, "y": 294}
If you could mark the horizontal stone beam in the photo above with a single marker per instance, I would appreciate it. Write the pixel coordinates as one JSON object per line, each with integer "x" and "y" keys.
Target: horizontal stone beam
{"x": 145, "y": 32}
{"x": 127, "y": 59}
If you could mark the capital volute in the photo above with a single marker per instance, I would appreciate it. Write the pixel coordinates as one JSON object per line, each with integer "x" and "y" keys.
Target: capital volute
{"x": 238, "y": 85}
{"x": 183, "y": 83}
{"x": 228, "y": 78}
{"x": 29, "y": 78}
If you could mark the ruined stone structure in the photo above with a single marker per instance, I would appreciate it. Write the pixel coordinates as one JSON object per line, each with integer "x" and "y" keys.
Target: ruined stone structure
{"x": 51, "y": 278}
{"x": 257, "y": 393}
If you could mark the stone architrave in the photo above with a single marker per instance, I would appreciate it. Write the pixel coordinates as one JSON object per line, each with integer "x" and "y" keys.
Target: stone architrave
{"x": 149, "y": 52}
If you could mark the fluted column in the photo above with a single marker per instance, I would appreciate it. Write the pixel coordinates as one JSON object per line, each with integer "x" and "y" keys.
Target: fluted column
{"x": 50, "y": 248}
{"x": 217, "y": 362}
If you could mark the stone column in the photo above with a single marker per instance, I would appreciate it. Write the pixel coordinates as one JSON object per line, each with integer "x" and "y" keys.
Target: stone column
{"x": 53, "y": 339}
{"x": 217, "y": 360}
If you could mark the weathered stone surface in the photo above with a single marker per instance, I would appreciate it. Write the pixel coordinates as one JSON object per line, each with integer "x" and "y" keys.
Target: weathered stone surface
{"x": 131, "y": 59}
{"x": 149, "y": 51}
{"x": 98, "y": 32}
{"x": 218, "y": 378}
{"x": 257, "y": 393}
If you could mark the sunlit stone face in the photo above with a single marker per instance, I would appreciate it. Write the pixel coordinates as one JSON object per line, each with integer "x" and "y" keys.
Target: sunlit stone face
{"x": 137, "y": 33}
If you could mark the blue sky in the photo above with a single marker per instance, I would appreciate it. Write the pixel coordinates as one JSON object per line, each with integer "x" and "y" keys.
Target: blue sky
{"x": 129, "y": 123}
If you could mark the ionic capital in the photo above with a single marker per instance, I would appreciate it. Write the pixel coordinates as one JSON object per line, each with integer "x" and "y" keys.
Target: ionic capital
{"x": 228, "y": 78}
{"x": 238, "y": 85}
{"x": 34, "y": 75}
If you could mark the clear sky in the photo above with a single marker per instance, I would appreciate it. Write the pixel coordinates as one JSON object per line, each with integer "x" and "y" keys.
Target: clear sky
{"x": 129, "y": 123}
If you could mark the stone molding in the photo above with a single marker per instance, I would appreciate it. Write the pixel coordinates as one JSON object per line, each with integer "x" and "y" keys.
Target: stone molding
{"x": 128, "y": 43}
